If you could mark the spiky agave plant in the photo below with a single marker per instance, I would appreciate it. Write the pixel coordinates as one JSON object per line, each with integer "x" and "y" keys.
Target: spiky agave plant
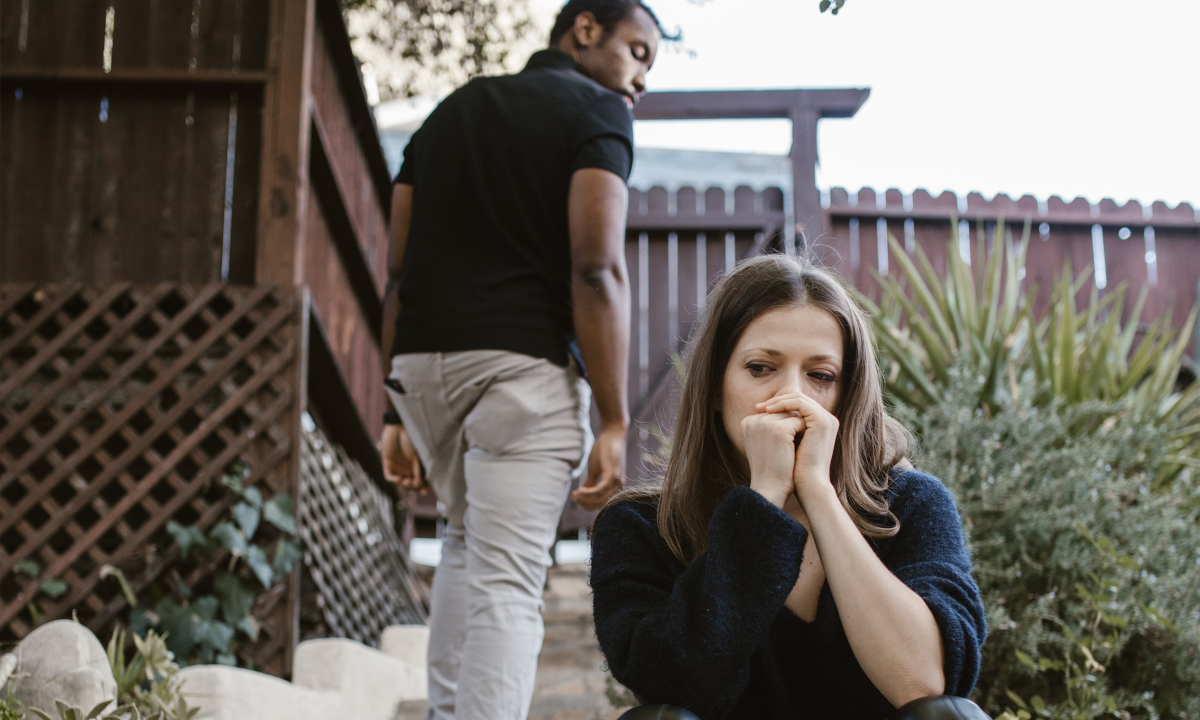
{"x": 927, "y": 325}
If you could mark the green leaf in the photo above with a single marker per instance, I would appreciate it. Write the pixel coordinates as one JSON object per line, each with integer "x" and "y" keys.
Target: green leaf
{"x": 236, "y": 596}
{"x": 287, "y": 554}
{"x": 28, "y": 567}
{"x": 1026, "y": 660}
{"x": 178, "y": 625}
{"x": 249, "y": 626}
{"x": 1038, "y": 703}
{"x": 1016, "y": 699}
{"x": 280, "y": 511}
{"x": 247, "y": 518}
{"x": 54, "y": 587}
{"x": 825, "y": 5}
{"x": 40, "y": 713}
{"x": 227, "y": 659}
{"x": 233, "y": 482}
{"x": 188, "y": 537}
{"x": 214, "y": 635}
{"x": 95, "y": 712}
{"x": 1114, "y": 621}
{"x": 126, "y": 590}
{"x": 253, "y": 496}
{"x": 206, "y": 607}
{"x": 259, "y": 565}
{"x": 229, "y": 537}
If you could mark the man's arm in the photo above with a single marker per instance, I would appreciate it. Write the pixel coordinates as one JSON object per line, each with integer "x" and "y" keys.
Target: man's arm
{"x": 400, "y": 462}
{"x": 402, "y": 196}
{"x": 596, "y": 209}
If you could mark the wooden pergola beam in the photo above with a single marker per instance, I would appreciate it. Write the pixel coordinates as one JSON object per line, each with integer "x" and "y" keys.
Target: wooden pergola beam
{"x": 803, "y": 107}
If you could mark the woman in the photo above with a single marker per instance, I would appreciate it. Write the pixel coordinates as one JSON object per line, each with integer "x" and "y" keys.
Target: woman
{"x": 792, "y": 564}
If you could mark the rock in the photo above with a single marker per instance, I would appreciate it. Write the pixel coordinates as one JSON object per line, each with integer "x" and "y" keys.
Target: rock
{"x": 407, "y": 643}
{"x": 62, "y": 660}
{"x": 229, "y": 693}
{"x": 369, "y": 683}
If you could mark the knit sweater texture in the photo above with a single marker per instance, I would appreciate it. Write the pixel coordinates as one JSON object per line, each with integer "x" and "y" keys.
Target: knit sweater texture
{"x": 715, "y": 637}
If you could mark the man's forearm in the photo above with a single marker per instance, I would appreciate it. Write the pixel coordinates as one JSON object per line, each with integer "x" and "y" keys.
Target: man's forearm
{"x": 387, "y": 335}
{"x": 601, "y": 306}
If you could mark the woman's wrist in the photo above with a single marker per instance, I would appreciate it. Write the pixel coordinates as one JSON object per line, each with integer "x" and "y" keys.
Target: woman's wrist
{"x": 775, "y": 493}
{"x": 817, "y": 492}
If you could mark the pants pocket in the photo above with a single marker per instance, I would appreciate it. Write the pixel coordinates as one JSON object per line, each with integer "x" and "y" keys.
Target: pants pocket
{"x": 412, "y": 413}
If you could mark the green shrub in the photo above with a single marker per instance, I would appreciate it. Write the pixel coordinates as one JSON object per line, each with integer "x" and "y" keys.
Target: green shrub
{"x": 1090, "y": 577}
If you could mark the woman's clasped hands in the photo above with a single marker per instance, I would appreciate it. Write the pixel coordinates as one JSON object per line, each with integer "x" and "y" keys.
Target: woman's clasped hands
{"x": 789, "y": 446}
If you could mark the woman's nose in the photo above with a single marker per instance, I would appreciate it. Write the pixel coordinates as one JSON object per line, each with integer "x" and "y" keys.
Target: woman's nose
{"x": 791, "y": 383}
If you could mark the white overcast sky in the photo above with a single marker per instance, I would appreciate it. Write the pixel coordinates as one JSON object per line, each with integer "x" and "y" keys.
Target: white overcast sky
{"x": 1092, "y": 98}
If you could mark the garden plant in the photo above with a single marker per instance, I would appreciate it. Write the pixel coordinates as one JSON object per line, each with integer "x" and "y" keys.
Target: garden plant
{"x": 1072, "y": 443}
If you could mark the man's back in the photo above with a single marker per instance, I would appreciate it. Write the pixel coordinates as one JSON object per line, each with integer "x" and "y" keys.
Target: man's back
{"x": 487, "y": 263}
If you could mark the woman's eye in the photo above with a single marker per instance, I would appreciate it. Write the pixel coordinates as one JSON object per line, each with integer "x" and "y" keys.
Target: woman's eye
{"x": 757, "y": 369}
{"x": 822, "y": 377}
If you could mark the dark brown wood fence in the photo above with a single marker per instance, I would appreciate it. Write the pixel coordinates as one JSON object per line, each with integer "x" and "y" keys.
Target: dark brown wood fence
{"x": 1155, "y": 248}
{"x": 194, "y": 242}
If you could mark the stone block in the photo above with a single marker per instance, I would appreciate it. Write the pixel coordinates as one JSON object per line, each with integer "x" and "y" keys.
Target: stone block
{"x": 369, "y": 683}
{"x": 62, "y": 660}
{"x": 407, "y": 643}
{"x": 228, "y": 693}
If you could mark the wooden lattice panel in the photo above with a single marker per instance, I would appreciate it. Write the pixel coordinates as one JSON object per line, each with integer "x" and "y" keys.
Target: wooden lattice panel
{"x": 119, "y": 407}
{"x": 364, "y": 578}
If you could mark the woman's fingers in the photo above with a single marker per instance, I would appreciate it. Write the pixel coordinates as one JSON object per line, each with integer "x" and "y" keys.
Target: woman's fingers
{"x": 791, "y": 402}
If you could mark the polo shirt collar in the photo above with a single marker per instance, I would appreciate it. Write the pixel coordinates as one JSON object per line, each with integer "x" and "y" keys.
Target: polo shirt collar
{"x": 553, "y": 59}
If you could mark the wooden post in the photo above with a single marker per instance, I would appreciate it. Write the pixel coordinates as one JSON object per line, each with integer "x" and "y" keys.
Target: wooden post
{"x": 803, "y": 107}
{"x": 806, "y": 198}
{"x": 283, "y": 188}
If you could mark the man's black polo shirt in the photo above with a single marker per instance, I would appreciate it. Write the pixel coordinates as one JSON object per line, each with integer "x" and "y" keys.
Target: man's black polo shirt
{"x": 488, "y": 260}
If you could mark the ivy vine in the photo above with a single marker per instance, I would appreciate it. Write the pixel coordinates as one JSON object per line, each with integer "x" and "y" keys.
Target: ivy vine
{"x": 205, "y": 625}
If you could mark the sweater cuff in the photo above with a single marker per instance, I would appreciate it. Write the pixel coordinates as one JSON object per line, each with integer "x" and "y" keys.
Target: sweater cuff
{"x": 754, "y": 528}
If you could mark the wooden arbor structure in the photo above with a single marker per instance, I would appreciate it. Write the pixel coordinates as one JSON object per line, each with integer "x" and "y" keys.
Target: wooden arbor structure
{"x": 803, "y": 107}
{"x": 194, "y": 244}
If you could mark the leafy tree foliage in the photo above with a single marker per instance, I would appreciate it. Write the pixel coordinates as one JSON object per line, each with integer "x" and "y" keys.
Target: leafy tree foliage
{"x": 429, "y": 47}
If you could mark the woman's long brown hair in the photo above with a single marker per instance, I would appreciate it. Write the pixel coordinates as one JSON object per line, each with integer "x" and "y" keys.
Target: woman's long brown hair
{"x": 704, "y": 465}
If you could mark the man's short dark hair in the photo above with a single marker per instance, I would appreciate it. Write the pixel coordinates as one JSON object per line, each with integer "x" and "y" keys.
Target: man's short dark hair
{"x": 608, "y": 13}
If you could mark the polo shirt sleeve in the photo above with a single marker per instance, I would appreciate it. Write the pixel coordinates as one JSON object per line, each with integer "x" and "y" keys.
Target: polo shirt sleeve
{"x": 604, "y": 136}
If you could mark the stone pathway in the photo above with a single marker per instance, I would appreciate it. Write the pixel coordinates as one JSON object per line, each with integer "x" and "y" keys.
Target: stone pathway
{"x": 571, "y": 682}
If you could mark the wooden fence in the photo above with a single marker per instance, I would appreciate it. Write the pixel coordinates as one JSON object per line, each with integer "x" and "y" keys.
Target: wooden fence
{"x": 224, "y": 141}
{"x": 171, "y": 169}
{"x": 1155, "y": 248}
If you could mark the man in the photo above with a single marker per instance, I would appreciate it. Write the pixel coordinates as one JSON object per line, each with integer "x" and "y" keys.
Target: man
{"x": 507, "y": 289}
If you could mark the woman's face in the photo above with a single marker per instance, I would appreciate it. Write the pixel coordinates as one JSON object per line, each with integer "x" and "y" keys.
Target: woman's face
{"x": 783, "y": 350}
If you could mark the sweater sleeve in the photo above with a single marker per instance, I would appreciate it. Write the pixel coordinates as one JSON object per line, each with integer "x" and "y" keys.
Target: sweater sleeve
{"x": 930, "y": 555}
{"x": 686, "y": 638}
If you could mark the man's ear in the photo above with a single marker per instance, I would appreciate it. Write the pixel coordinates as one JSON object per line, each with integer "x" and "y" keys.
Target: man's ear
{"x": 587, "y": 30}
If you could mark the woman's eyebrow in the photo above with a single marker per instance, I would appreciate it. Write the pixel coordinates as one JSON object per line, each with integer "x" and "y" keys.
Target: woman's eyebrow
{"x": 766, "y": 351}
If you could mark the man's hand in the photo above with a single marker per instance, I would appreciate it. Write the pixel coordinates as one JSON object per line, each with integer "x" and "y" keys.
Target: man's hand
{"x": 400, "y": 462}
{"x": 605, "y": 472}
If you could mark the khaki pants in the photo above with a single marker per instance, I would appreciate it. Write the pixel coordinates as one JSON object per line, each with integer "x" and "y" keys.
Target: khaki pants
{"x": 502, "y": 435}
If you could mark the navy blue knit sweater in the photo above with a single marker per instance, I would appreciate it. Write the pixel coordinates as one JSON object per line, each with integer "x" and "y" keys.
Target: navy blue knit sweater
{"x": 715, "y": 637}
